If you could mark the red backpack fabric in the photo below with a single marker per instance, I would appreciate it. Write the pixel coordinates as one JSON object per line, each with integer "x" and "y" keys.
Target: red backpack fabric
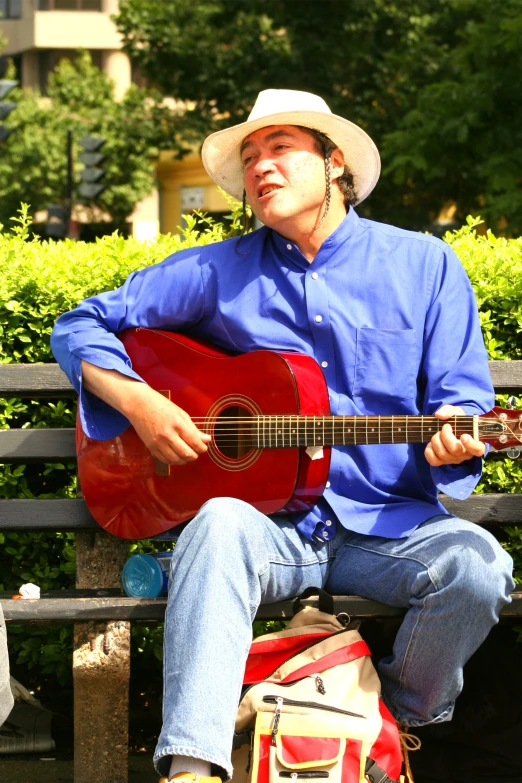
{"x": 311, "y": 709}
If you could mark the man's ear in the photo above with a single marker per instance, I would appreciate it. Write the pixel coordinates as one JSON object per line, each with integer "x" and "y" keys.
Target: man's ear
{"x": 337, "y": 161}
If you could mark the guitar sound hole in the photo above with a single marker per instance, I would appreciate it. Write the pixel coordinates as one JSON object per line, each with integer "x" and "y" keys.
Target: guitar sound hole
{"x": 233, "y": 433}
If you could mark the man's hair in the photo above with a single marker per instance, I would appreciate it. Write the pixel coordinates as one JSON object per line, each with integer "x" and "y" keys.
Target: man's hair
{"x": 325, "y": 146}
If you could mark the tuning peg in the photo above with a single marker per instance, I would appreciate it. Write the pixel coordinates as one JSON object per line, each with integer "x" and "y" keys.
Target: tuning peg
{"x": 513, "y": 453}
{"x": 511, "y": 403}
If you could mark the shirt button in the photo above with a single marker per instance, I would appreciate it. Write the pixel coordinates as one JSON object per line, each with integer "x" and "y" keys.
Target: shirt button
{"x": 314, "y": 275}
{"x": 327, "y": 483}
{"x": 289, "y": 247}
{"x": 324, "y": 364}
{"x": 328, "y": 522}
{"x": 325, "y": 534}
{"x": 318, "y": 318}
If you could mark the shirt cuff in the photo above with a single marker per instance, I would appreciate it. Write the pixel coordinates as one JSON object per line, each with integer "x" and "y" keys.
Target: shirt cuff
{"x": 458, "y": 481}
{"x": 98, "y": 419}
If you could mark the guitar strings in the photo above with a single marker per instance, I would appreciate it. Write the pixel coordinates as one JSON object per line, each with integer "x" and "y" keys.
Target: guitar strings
{"x": 227, "y": 429}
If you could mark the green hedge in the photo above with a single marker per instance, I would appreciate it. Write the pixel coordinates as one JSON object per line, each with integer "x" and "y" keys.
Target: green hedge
{"x": 41, "y": 279}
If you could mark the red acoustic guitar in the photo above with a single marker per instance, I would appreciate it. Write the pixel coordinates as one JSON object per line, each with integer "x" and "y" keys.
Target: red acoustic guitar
{"x": 268, "y": 415}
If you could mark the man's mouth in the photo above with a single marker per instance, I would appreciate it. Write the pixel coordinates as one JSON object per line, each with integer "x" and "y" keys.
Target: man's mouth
{"x": 266, "y": 189}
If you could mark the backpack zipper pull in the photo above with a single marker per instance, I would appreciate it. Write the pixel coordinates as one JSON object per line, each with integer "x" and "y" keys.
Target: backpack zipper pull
{"x": 319, "y": 683}
{"x": 277, "y": 716}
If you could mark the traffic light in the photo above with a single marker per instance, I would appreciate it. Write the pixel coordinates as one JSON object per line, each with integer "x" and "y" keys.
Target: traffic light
{"x": 57, "y": 222}
{"x": 6, "y": 107}
{"x": 91, "y": 174}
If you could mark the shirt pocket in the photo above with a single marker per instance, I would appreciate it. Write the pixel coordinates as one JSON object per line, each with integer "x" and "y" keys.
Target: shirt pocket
{"x": 386, "y": 363}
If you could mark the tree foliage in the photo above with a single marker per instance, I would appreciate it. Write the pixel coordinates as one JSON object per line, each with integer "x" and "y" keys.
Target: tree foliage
{"x": 33, "y": 162}
{"x": 434, "y": 82}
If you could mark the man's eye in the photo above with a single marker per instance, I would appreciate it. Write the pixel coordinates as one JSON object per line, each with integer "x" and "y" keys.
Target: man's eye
{"x": 246, "y": 161}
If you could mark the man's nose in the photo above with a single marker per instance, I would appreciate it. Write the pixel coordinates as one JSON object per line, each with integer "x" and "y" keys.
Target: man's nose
{"x": 264, "y": 164}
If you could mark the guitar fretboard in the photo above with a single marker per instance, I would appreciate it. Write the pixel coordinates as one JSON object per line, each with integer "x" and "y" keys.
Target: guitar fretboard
{"x": 303, "y": 431}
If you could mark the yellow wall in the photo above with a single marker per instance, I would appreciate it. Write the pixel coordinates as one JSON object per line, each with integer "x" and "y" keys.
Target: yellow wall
{"x": 189, "y": 172}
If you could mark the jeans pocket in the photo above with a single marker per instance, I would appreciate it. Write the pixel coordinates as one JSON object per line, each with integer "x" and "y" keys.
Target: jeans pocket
{"x": 386, "y": 363}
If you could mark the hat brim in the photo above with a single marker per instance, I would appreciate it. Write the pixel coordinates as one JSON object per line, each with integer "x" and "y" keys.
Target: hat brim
{"x": 221, "y": 158}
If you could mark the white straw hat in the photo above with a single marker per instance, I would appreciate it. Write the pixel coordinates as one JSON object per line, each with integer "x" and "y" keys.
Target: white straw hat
{"x": 220, "y": 152}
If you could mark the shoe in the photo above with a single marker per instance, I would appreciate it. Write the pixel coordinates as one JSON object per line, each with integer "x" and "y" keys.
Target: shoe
{"x": 189, "y": 777}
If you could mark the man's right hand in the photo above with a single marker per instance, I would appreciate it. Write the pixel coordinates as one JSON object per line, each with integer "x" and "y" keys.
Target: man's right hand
{"x": 168, "y": 431}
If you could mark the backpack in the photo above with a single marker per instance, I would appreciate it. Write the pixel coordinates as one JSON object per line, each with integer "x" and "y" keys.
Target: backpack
{"x": 311, "y": 708}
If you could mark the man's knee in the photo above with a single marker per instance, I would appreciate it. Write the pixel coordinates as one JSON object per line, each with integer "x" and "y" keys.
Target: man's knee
{"x": 477, "y": 565}
{"x": 223, "y": 522}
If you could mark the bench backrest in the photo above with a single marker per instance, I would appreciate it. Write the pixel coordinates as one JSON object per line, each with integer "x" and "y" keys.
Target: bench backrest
{"x": 55, "y": 445}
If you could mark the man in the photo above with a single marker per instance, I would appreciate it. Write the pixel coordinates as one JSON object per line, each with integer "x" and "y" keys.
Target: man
{"x": 6, "y": 697}
{"x": 391, "y": 318}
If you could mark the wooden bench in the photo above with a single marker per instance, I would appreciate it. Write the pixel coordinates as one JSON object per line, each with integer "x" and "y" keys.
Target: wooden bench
{"x": 102, "y": 615}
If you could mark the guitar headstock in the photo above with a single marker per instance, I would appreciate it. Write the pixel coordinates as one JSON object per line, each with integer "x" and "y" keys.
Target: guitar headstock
{"x": 501, "y": 428}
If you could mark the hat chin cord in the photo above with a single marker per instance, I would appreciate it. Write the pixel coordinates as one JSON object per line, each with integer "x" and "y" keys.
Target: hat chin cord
{"x": 328, "y": 194}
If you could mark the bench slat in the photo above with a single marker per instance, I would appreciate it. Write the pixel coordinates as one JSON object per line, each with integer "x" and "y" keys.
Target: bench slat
{"x": 48, "y": 514}
{"x": 490, "y": 510}
{"x": 506, "y": 376}
{"x": 34, "y": 380}
{"x": 45, "y": 445}
{"x": 72, "y": 514}
{"x": 153, "y": 609}
{"x": 53, "y": 445}
{"x": 48, "y": 380}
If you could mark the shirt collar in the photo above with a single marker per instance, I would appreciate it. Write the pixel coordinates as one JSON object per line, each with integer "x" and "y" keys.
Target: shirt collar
{"x": 285, "y": 247}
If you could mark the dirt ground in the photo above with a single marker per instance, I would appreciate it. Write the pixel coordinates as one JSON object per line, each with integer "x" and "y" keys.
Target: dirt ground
{"x": 36, "y": 769}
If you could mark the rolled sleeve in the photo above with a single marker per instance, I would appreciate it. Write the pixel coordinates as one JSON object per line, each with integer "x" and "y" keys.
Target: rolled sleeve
{"x": 168, "y": 295}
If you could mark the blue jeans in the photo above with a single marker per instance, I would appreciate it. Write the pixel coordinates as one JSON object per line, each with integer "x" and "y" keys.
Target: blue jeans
{"x": 452, "y": 576}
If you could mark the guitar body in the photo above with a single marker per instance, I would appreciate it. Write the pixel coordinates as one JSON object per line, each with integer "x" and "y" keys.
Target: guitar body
{"x": 133, "y": 496}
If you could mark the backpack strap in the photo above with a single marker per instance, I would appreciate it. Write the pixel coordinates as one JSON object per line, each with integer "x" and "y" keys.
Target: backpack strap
{"x": 326, "y": 602}
{"x": 375, "y": 774}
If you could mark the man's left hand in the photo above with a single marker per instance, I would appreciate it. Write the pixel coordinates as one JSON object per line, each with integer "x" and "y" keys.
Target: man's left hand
{"x": 445, "y": 449}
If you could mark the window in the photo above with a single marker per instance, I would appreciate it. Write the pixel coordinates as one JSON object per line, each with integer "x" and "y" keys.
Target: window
{"x": 69, "y": 5}
{"x": 10, "y": 9}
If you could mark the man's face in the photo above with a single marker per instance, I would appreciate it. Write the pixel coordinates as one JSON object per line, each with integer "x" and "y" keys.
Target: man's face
{"x": 284, "y": 175}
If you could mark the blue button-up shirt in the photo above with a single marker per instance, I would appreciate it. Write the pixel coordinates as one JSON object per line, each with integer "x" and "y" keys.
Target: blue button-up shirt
{"x": 389, "y": 315}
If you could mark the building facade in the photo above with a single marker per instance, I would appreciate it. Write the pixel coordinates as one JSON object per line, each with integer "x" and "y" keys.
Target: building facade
{"x": 39, "y": 33}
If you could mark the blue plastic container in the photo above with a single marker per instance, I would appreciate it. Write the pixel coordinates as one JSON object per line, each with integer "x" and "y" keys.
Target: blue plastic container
{"x": 146, "y": 576}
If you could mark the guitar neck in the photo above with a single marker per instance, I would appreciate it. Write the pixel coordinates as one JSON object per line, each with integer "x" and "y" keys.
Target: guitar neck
{"x": 302, "y": 431}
